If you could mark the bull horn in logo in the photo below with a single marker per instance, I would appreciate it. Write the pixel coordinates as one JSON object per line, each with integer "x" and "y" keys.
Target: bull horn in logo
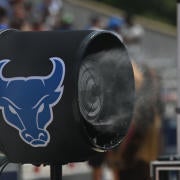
{"x": 3, "y": 81}
{"x": 55, "y": 79}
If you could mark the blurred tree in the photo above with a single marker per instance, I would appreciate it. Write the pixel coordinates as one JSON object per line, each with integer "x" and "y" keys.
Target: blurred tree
{"x": 162, "y": 9}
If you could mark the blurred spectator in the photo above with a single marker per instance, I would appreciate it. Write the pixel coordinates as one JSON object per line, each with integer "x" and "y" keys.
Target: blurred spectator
{"x": 132, "y": 159}
{"x": 5, "y": 4}
{"x": 55, "y": 7}
{"x": 3, "y": 19}
{"x": 95, "y": 23}
{"x": 96, "y": 162}
{"x": 20, "y": 24}
{"x": 28, "y": 7}
{"x": 131, "y": 31}
{"x": 115, "y": 24}
{"x": 18, "y": 9}
{"x": 37, "y": 25}
{"x": 48, "y": 10}
{"x": 65, "y": 22}
{"x": 133, "y": 34}
{"x": 49, "y": 7}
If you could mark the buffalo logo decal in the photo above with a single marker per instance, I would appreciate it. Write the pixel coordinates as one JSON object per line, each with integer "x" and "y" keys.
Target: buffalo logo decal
{"x": 27, "y": 102}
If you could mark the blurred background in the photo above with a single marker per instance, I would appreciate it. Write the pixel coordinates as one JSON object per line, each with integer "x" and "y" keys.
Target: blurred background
{"x": 148, "y": 29}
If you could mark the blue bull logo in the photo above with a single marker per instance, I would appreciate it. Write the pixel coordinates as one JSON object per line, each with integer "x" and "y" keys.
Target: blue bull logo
{"x": 27, "y": 103}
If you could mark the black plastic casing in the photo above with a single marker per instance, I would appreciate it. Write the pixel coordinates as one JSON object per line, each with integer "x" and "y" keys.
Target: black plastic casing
{"x": 29, "y": 53}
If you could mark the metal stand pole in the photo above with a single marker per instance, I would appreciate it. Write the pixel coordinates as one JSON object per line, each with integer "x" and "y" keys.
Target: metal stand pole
{"x": 178, "y": 80}
{"x": 178, "y": 76}
{"x": 56, "y": 172}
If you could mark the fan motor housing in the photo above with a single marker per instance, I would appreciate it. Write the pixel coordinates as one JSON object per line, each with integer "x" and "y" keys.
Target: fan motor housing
{"x": 42, "y": 118}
